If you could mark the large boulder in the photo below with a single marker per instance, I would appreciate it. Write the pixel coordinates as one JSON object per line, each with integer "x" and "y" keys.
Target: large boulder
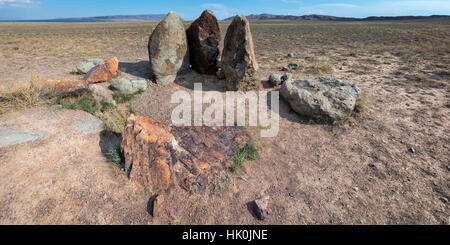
{"x": 103, "y": 72}
{"x": 204, "y": 38}
{"x": 148, "y": 152}
{"x": 238, "y": 58}
{"x": 325, "y": 99}
{"x": 168, "y": 50}
{"x": 63, "y": 88}
{"x": 159, "y": 156}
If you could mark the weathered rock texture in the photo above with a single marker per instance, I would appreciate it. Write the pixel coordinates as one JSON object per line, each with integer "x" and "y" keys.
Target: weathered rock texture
{"x": 204, "y": 40}
{"x": 127, "y": 86}
{"x": 238, "y": 58}
{"x": 149, "y": 155}
{"x": 63, "y": 88}
{"x": 159, "y": 156}
{"x": 168, "y": 50}
{"x": 102, "y": 94}
{"x": 261, "y": 207}
{"x": 103, "y": 72}
{"x": 86, "y": 66}
{"x": 326, "y": 99}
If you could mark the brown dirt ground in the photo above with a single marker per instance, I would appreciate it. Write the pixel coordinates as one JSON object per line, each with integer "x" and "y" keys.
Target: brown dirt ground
{"x": 360, "y": 172}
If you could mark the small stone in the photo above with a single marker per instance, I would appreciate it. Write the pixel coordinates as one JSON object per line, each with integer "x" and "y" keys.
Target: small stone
{"x": 372, "y": 165}
{"x": 128, "y": 86}
{"x": 355, "y": 188}
{"x": 102, "y": 94}
{"x": 158, "y": 205}
{"x": 284, "y": 68}
{"x": 105, "y": 196}
{"x": 87, "y": 65}
{"x": 261, "y": 207}
{"x": 291, "y": 55}
{"x": 286, "y": 77}
{"x": 220, "y": 74}
{"x": 103, "y": 72}
{"x": 293, "y": 66}
{"x": 275, "y": 79}
{"x": 412, "y": 150}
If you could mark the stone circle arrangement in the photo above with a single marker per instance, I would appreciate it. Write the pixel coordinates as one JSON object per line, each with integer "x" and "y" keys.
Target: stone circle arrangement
{"x": 160, "y": 156}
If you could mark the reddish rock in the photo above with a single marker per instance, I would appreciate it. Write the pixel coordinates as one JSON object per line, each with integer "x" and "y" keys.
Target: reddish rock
{"x": 261, "y": 207}
{"x": 159, "y": 156}
{"x": 158, "y": 205}
{"x": 64, "y": 88}
{"x": 103, "y": 72}
{"x": 204, "y": 38}
{"x": 238, "y": 58}
{"x": 148, "y": 152}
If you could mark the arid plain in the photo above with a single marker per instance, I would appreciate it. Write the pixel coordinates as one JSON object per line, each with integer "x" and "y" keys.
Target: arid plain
{"x": 388, "y": 164}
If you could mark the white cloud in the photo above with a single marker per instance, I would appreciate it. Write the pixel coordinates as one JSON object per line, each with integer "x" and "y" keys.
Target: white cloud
{"x": 17, "y": 3}
{"x": 221, "y": 11}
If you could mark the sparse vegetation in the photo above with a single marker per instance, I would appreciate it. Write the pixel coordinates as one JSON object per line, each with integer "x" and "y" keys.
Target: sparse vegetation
{"x": 114, "y": 120}
{"x": 115, "y": 155}
{"x": 247, "y": 152}
{"x": 18, "y": 96}
{"x": 120, "y": 97}
{"x": 85, "y": 103}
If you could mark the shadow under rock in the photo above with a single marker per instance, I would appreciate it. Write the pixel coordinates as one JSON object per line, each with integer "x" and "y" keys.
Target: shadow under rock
{"x": 139, "y": 69}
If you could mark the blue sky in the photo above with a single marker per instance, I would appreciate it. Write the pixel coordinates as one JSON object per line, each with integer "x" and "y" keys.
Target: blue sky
{"x": 47, "y": 9}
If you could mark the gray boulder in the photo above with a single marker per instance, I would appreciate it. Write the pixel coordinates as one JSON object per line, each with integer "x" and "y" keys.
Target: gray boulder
{"x": 102, "y": 94}
{"x": 87, "y": 65}
{"x": 325, "y": 99}
{"x": 275, "y": 79}
{"x": 238, "y": 58}
{"x": 168, "y": 50}
{"x": 286, "y": 77}
{"x": 127, "y": 86}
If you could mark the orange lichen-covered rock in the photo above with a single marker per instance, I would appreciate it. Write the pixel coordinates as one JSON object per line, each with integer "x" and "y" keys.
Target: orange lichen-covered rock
{"x": 103, "y": 72}
{"x": 148, "y": 152}
{"x": 63, "y": 88}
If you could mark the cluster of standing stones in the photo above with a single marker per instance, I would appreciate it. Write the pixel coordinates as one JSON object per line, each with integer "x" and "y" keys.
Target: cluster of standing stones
{"x": 160, "y": 156}
{"x": 172, "y": 50}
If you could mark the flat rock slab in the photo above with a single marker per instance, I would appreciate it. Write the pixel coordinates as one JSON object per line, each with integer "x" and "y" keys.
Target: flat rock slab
{"x": 9, "y": 137}
{"x": 64, "y": 177}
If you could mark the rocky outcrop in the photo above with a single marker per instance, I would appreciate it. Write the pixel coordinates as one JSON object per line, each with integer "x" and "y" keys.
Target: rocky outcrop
{"x": 86, "y": 66}
{"x": 238, "y": 58}
{"x": 204, "y": 38}
{"x": 103, "y": 72}
{"x": 168, "y": 50}
{"x": 325, "y": 99}
{"x": 149, "y": 155}
{"x": 159, "y": 156}
{"x": 63, "y": 88}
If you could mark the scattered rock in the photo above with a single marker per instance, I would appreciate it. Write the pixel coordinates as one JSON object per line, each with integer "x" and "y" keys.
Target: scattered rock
{"x": 103, "y": 72}
{"x": 220, "y": 74}
{"x": 284, "y": 68}
{"x": 372, "y": 165}
{"x": 64, "y": 88}
{"x": 326, "y": 99}
{"x": 204, "y": 38}
{"x": 286, "y": 77}
{"x": 238, "y": 59}
{"x": 128, "y": 86}
{"x": 158, "y": 205}
{"x": 290, "y": 55}
{"x": 148, "y": 152}
{"x": 168, "y": 50}
{"x": 87, "y": 65}
{"x": 275, "y": 79}
{"x": 261, "y": 207}
{"x": 102, "y": 94}
{"x": 412, "y": 150}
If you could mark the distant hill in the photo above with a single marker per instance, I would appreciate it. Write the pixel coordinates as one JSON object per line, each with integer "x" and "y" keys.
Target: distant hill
{"x": 114, "y": 18}
{"x": 315, "y": 17}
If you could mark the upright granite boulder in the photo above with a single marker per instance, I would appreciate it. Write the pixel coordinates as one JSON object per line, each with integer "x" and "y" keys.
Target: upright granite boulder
{"x": 326, "y": 99}
{"x": 238, "y": 58}
{"x": 204, "y": 41}
{"x": 168, "y": 49}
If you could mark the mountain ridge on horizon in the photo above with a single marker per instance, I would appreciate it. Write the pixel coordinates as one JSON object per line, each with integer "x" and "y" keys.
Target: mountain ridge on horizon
{"x": 252, "y": 17}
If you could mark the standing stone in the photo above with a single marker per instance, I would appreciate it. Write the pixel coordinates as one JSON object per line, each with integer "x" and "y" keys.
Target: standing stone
{"x": 168, "y": 50}
{"x": 204, "y": 39}
{"x": 238, "y": 59}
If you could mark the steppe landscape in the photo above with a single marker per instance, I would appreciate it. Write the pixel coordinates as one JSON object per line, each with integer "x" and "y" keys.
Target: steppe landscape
{"x": 387, "y": 164}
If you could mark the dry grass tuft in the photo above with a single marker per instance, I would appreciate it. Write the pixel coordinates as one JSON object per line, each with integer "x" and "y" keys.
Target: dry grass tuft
{"x": 17, "y": 97}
